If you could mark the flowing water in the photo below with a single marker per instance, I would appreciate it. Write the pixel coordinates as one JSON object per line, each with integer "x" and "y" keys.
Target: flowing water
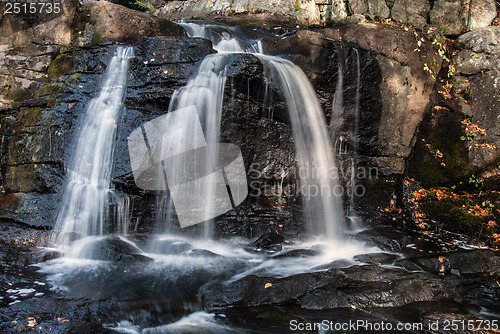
{"x": 85, "y": 209}
{"x": 322, "y": 207}
{"x": 323, "y": 210}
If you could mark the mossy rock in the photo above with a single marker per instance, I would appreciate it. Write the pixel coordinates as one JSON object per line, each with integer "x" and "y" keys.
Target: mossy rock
{"x": 62, "y": 64}
{"x": 439, "y": 157}
{"x": 451, "y": 212}
{"x": 454, "y": 212}
{"x": 31, "y": 116}
{"x": 19, "y": 94}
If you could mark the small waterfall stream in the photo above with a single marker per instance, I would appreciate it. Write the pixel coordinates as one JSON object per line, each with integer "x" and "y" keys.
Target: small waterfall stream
{"x": 345, "y": 123}
{"x": 322, "y": 207}
{"x": 88, "y": 193}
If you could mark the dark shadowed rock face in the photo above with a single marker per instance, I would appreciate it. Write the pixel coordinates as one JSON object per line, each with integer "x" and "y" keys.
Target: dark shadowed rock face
{"x": 444, "y": 153}
{"x": 359, "y": 286}
{"x": 478, "y": 69}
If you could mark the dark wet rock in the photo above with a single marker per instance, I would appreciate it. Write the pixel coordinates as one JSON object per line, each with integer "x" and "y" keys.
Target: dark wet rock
{"x": 461, "y": 262}
{"x": 32, "y": 209}
{"x": 268, "y": 240}
{"x": 252, "y": 291}
{"x": 334, "y": 265}
{"x": 297, "y": 253}
{"x": 377, "y": 258}
{"x": 115, "y": 249}
{"x": 474, "y": 261}
{"x": 433, "y": 264}
{"x": 408, "y": 265}
{"x": 19, "y": 234}
{"x": 361, "y": 286}
{"x": 385, "y": 238}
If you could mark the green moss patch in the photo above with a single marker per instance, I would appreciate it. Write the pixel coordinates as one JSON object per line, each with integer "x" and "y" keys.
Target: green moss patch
{"x": 476, "y": 214}
{"x": 62, "y": 64}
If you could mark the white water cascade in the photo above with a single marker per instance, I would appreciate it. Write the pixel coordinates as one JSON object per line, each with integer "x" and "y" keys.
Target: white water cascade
{"x": 86, "y": 199}
{"x": 323, "y": 211}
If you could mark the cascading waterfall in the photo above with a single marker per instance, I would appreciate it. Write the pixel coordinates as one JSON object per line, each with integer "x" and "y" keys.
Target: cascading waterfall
{"x": 322, "y": 207}
{"x": 346, "y": 122}
{"x": 355, "y": 150}
{"x": 87, "y": 196}
{"x": 204, "y": 91}
{"x": 224, "y": 39}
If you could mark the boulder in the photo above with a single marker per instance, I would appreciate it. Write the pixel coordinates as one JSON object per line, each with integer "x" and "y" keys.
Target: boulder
{"x": 376, "y": 9}
{"x": 84, "y": 24}
{"x": 414, "y": 12}
{"x": 456, "y": 17}
{"x": 108, "y": 21}
{"x": 112, "y": 249}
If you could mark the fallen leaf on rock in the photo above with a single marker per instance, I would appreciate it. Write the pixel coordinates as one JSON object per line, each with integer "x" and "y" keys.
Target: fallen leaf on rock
{"x": 492, "y": 224}
{"x": 268, "y": 285}
{"x": 442, "y": 259}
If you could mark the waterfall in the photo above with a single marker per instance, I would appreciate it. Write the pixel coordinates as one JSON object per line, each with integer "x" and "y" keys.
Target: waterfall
{"x": 88, "y": 199}
{"x": 224, "y": 39}
{"x": 323, "y": 211}
{"x": 345, "y": 122}
{"x": 355, "y": 147}
{"x": 204, "y": 91}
